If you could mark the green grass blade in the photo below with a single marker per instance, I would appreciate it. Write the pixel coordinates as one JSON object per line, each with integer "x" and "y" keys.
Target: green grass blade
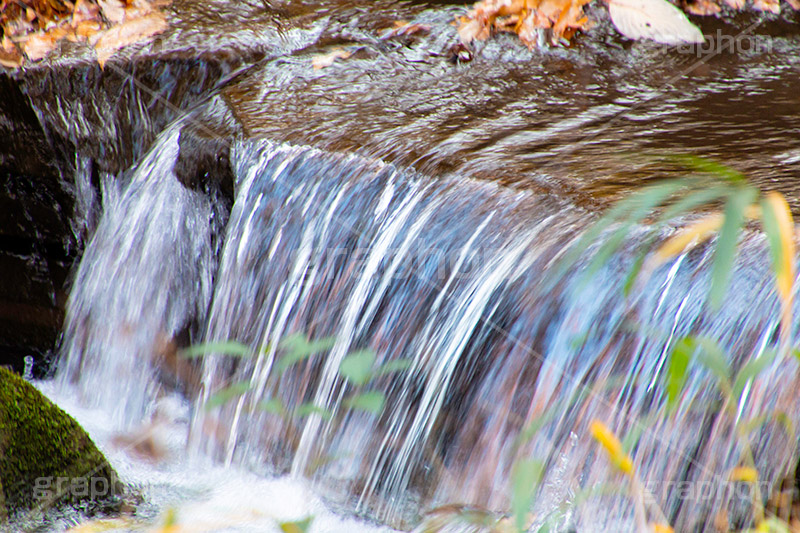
{"x": 725, "y": 252}
{"x": 525, "y": 480}
{"x": 710, "y": 167}
{"x": 751, "y": 369}
{"x": 677, "y": 371}
{"x": 773, "y": 232}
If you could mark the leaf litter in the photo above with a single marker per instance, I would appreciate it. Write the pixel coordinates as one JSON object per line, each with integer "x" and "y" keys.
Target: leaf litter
{"x": 32, "y": 29}
{"x": 657, "y": 20}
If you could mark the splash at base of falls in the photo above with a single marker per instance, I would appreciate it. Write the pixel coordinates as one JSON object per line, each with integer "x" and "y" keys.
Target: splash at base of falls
{"x": 450, "y": 274}
{"x": 198, "y": 495}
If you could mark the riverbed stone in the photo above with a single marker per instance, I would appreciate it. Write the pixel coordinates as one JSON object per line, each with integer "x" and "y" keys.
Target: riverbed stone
{"x": 45, "y": 455}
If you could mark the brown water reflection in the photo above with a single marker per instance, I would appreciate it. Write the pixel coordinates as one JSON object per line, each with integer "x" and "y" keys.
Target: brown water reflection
{"x": 581, "y": 121}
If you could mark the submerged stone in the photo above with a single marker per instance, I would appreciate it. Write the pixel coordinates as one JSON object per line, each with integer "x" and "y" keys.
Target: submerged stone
{"x": 45, "y": 455}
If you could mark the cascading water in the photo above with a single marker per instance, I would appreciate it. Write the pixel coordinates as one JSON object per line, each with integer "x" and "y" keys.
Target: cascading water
{"x": 450, "y": 274}
{"x": 146, "y": 274}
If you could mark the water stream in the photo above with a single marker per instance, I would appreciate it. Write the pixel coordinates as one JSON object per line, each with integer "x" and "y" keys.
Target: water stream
{"x": 415, "y": 206}
{"x": 451, "y": 274}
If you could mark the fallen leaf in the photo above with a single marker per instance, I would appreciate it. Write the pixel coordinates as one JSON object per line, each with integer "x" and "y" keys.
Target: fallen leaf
{"x": 402, "y": 28}
{"x": 773, "y": 6}
{"x": 113, "y": 10}
{"x": 657, "y": 20}
{"x": 84, "y": 11}
{"x": 38, "y": 45}
{"x": 326, "y": 60}
{"x": 736, "y": 4}
{"x": 794, "y": 3}
{"x": 127, "y": 33}
{"x": 703, "y": 7}
{"x": 9, "y": 54}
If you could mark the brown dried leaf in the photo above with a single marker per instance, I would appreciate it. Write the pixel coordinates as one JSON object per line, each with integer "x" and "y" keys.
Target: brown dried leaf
{"x": 402, "y": 28}
{"x": 9, "y": 54}
{"x": 113, "y": 10}
{"x": 84, "y": 11}
{"x": 87, "y": 29}
{"x": 474, "y": 29}
{"x": 794, "y": 3}
{"x": 127, "y": 33}
{"x": 735, "y": 4}
{"x": 38, "y": 45}
{"x": 705, "y": 7}
{"x": 772, "y": 6}
{"x": 326, "y": 60}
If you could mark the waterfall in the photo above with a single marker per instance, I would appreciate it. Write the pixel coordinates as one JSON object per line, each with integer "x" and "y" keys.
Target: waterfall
{"x": 145, "y": 275}
{"x": 449, "y": 273}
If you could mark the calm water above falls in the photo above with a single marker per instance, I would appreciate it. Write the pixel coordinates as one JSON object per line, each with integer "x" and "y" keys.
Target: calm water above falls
{"x": 377, "y": 208}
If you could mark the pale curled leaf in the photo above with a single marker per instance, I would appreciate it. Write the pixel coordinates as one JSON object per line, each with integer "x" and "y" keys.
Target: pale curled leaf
{"x": 658, "y": 20}
{"x": 127, "y": 33}
{"x": 326, "y": 60}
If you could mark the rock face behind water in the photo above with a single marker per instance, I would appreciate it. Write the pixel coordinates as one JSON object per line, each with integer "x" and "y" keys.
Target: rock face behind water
{"x": 45, "y": 455}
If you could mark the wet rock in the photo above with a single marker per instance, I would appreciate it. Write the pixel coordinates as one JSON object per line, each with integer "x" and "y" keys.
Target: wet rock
{"x": 45, "y": 456}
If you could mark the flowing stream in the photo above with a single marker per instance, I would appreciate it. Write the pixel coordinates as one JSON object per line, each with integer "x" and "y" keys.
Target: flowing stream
{"x": 453, "y": 275}
{"x": 408, "y": 204}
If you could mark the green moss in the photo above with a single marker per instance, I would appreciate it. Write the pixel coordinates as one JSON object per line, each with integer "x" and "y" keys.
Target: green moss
{"x": 45, "y": 456}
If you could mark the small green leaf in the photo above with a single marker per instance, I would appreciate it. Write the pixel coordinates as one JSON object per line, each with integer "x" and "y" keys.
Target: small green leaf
{"x": 398, "y": 365}
{"x": 273, "y": 405}
{"x": 713, "y": 358}
{"x": 371, "y": 402}
{"x": 225, "y": 395}
{"x": 296, "y": 348}
{"x": 751, "y": 369}
{"x": 307, "y": 409}
{"x": 525, "y": 479}
{"x": 233, "y": 348}
{"x": 677, "y": 371}
{"x": 725, "y": 252}
{"x": 299, "y": 526}
{"x": 357, "y": 367}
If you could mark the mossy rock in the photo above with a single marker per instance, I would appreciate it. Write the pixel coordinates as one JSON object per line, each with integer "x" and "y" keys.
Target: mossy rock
{"x": 45, "y": 455}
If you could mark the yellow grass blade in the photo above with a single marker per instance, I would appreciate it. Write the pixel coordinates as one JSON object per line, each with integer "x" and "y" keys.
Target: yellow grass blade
{"x": 785, "y": 270}
{"x": 613, "y": 446}
{"x": 689, "y": 237}
{"x": 744, "y": 473}
{"x": 662, "y": 528}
